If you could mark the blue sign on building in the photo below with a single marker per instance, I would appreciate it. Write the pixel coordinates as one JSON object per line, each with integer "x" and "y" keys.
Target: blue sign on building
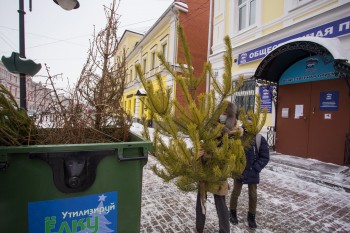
{"x": 308, "y": 70}
{"x": 93, "y": 213}
{"x": 266, "y": 99}
{"x": 329, "y": 100}
{"x": 330, "y": 30}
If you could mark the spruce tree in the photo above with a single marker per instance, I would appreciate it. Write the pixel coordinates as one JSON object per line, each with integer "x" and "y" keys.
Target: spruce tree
{"x": 197, "y": 120}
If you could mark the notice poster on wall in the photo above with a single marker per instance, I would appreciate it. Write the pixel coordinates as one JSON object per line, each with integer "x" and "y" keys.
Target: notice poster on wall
{"x": 299, "y": 111}
{"x": 285, "y": 112}
{"x": 328, "y": 116}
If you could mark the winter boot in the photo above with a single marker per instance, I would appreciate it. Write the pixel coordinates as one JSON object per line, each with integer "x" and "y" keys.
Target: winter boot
{"x": 199, "y": 231}
{"x": 251, "y": 220}
{"x": 233, "y": 217}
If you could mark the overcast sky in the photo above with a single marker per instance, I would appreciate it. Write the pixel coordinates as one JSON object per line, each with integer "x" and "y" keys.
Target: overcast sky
{"x": 60, "y": 38}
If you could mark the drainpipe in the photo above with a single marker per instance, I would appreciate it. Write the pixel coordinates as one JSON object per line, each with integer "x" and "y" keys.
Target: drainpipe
{"x": 209, "y": 42}
{"x": 175, "y": 48}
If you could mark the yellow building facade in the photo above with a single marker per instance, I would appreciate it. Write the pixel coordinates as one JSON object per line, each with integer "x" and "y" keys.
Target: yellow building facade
{"x": 143, "y": 49}
{"x": 253, "y": 25}
{"x": 295, "y": 54}
{"x": 162, "y": 37}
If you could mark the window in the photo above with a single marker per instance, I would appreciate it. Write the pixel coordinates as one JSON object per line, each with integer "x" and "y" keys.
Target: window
{"x": 219, "y": 7}
{"x": 144, "y": 65}
{"x": 134, "y": 107}
{"x": 247, "y": 12}
{"x": 130, "y": 77}
{"x": 164, "y": 46}
{"x": 245, "y": 96}
{"x": 135, "y": 73}
{"x": 298, "y": 3}
{"x": 129, "y": 106}
{"x": 153, "y": 60}
{"x": 291, "y": 5}
{"x": 153, "y": 52}
{"x": 165, "y": 50}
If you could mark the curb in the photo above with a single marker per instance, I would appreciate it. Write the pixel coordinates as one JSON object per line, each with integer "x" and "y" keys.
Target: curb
{"x": 310, "y": 175}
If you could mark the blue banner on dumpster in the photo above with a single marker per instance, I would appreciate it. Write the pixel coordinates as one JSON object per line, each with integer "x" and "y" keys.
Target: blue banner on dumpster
{"x": 92, "y": 213}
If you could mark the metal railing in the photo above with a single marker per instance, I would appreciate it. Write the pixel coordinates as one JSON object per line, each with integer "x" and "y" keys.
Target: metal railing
{"x": 347, "y": 149}
{"x": 271, "y": 137}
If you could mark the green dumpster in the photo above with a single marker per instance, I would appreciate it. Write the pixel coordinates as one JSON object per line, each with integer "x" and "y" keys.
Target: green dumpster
{"x": 72, "y": 188}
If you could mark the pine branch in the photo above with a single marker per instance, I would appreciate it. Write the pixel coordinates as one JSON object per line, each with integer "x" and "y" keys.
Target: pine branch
{"x": 16, "y": 126}
{"x": 213, "y": 157}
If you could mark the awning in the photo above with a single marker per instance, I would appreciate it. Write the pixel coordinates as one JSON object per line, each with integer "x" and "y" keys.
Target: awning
{"x": 278, "y": 60}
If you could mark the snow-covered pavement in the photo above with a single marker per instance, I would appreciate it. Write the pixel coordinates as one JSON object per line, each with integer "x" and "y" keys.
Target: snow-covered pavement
{"x": 294, "y": 195}
{"x": 286, "y": 203}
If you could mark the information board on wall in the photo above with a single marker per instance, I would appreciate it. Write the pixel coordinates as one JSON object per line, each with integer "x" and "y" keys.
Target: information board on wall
{"x": 329, "y": 100}
{"x": 266, "y": 98}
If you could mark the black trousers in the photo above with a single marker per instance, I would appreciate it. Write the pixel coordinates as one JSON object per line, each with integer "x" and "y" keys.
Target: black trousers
{"x": 222, "y": 211}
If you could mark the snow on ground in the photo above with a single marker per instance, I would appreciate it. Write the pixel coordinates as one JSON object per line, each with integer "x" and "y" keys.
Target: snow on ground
{"x": 286, "y": 203}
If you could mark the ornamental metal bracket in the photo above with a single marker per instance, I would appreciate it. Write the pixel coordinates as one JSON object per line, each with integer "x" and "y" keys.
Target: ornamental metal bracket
{"x": 342, "y": 69}
{"x": 273, "y": 90}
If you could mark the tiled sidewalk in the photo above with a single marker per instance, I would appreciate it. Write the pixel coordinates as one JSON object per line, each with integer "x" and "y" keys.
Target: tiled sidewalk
{"x": 287, "y": 203}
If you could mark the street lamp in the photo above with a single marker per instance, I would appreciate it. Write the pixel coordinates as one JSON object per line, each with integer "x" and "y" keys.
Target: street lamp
{"x": 17, "y": 62}
{"x": 67, "y": 4}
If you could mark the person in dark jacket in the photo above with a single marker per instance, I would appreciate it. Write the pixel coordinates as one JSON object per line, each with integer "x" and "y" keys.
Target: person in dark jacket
{"x": 256, "y": 160}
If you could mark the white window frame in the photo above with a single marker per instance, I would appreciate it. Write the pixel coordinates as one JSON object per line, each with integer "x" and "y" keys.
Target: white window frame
{"x": 234, "y": 32}
{"x": 164, "y": 42}
{"x": 165, "y": 49}
{"x": 130, "y": 75}
{"x": 144, "y": 63}
{"x": 219, "y": 7}
{"x": 135, "y": 75}
{"x": 300, "y": 3}
{"x": 153, "y": 60}
{"x": 247, "y": 4}
{"x": 292, "y": 5}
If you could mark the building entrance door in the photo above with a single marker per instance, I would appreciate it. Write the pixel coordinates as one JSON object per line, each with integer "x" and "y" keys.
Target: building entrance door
{"x": 329, "y": 127}
{"x": 315, "y": 127}
{"x": 291, "y": 130}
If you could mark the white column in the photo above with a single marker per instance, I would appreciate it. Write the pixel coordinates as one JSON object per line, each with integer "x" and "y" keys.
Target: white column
{"x": 137, "y": 108}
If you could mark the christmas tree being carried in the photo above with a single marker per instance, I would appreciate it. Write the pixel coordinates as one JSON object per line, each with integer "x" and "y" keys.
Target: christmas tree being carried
{"x": 213, "y": 156}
